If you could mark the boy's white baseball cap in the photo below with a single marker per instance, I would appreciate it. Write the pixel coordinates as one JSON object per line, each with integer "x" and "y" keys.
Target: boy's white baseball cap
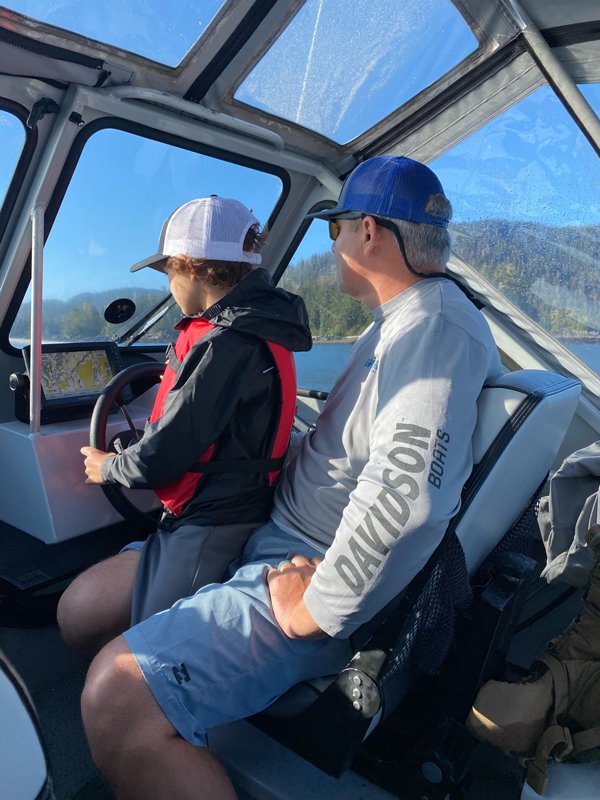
{"x": 209, "y": 227}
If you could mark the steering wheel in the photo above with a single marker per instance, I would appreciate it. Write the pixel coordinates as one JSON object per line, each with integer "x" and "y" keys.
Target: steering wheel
{"x": 140, "y": 378}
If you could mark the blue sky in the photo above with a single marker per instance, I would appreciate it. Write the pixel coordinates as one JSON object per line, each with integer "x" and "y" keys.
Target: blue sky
{"x": 531, "y": 163}
{"x": 152, "y": 28}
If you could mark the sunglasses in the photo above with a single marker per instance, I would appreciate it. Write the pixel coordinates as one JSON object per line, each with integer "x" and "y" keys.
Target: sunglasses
{"x": 334, "y": 228}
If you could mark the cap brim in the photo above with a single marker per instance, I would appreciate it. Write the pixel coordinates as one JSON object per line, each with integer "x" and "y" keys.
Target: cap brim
{"x": 327, "y": 213}
{"x": 157, "y": 262}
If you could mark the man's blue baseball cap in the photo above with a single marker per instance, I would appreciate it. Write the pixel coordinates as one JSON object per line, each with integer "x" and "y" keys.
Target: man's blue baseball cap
{"x": 388, "y": 186}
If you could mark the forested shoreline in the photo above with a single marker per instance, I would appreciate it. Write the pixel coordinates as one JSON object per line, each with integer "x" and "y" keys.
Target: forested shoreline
{"x": 551, "y": 273}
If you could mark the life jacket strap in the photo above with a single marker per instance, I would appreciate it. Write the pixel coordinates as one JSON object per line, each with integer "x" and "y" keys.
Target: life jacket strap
{"x": 249, "y": 465}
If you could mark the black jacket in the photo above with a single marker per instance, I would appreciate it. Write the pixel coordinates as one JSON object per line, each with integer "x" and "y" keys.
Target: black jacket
{"x": 228, "y": 393}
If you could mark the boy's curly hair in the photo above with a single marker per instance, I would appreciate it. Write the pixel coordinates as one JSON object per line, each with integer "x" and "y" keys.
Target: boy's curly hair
{"x": 221, "y": 274}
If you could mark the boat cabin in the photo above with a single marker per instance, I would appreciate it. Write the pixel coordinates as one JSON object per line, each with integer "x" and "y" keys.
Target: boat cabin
{"x": 112, "y": 115}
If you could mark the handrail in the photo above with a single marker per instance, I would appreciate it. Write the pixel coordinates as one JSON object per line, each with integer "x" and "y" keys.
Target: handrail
{"x": 217, "y": 118}
{"x": 35, "y": 361}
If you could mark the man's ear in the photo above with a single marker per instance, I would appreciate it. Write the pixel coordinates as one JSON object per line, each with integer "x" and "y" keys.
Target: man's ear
{"x": 369, "y": 232}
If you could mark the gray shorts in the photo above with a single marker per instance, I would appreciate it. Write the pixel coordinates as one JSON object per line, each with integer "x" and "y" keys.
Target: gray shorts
{"x": 220, "y": 656}
{"x": 175, "y": 564}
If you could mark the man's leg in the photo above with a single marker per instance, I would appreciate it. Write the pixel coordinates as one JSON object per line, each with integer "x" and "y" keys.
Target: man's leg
{"x": 210, "y": 659}
{"x": 96, "y": 607}
{"x": 132, "y": 742}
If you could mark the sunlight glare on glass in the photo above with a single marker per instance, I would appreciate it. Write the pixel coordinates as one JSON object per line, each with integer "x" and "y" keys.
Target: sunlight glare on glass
{"x": 343, "y": 65}
{"x": 151, "y": 28}
{"x": 12, "y": 138}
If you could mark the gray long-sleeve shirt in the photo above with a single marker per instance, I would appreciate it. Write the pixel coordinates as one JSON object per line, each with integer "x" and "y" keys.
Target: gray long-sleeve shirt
{"x": 375, "y": 484}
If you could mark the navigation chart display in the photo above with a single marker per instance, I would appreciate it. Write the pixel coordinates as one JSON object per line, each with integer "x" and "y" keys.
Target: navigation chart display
{"x": 72, "y": 378}
{"x": 79, "y": 373}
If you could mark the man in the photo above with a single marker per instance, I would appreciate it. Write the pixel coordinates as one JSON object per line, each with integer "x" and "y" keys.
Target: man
{"x": 362, "y": 491}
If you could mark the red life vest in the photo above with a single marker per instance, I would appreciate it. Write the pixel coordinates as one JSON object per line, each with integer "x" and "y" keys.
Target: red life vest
{"x": 176, "y": 495}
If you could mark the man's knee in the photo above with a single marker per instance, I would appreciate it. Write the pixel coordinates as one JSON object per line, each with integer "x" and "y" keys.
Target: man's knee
{"x": 118, "y": 710}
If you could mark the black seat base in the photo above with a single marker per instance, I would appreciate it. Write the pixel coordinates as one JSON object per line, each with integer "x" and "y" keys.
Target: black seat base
{"x": 446, "y": 763}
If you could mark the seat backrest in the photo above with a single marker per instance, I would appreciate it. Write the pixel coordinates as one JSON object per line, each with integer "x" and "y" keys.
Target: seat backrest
{"x": 522, "y": 419}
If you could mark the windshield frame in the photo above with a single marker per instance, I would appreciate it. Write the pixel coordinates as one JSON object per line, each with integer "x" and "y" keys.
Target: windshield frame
{"x": 25, "y": 156}
{"x": 70, "y": 165}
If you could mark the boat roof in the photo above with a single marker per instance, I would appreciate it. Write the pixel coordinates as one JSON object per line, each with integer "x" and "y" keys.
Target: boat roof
{"x": 336, "y": 80}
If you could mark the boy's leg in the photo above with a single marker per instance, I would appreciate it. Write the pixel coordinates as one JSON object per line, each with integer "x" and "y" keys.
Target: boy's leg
{"x": 175, "y": 564}
{"x": 96, "y": 607}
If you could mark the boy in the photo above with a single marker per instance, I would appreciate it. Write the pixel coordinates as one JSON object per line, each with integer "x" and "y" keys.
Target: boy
{"x": 219, "y": 428}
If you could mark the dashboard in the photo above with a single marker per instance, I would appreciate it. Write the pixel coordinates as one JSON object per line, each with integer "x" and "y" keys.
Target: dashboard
{"x": 73, "y": 375}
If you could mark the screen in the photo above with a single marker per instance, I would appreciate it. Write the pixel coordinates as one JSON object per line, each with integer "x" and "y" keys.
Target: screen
{"x": 75, "y": 373}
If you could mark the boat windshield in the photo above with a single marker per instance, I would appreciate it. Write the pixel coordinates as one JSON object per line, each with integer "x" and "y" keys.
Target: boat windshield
{"x": 123, "y": 188}
{"x": 145, "y": 27}
{"x": 527, "y": 216}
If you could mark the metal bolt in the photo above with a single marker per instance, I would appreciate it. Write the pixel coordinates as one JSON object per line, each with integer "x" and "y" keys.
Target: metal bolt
{"x": 432, "y": 772}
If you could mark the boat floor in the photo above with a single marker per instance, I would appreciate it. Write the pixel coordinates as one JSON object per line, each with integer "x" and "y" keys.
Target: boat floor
{"x": 260, "y": 767}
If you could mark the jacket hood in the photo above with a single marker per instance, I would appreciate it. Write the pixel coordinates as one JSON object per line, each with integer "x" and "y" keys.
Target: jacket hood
{"x": 255, "y": 306}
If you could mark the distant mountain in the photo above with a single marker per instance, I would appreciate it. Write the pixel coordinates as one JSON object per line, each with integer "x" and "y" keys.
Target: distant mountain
{"x": 332, "y": 315}
{"x": 81, "y": 316}
{"x": 551, "y": 273}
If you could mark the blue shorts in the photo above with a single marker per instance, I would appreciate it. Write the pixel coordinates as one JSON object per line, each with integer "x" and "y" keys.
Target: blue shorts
{"x": 219, "y": 655}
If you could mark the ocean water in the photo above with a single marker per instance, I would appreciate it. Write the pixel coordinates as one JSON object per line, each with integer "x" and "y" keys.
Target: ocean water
{"x": 319, "y": 367}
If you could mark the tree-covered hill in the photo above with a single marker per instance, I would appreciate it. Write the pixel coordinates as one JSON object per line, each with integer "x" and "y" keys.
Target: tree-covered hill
{"x": 551, "y": 273}
{"x": 332, "y": 315}
{"x": 82, "y": 316}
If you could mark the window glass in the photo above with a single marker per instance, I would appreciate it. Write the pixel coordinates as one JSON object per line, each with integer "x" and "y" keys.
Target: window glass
{"x": 336, "y": 320}
{"x": 342, "y": 65}
{"x": 12, "y": 139}
{"x": 151, "y": 28}
{"x": 591, "y": 92}
{"x": 123, "y": 189}
{"x": 527, "y": 216}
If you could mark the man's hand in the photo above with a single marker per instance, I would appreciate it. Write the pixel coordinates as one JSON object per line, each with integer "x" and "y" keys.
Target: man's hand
{"x": 93, "y": 463}
{"x": 287, "y": 585}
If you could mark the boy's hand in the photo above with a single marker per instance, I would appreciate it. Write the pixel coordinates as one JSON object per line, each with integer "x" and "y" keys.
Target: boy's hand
{"x": 93, "y": 463}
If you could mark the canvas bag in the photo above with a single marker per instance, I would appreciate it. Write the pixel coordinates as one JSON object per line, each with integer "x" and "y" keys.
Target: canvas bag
{"x": 555, "y": 713}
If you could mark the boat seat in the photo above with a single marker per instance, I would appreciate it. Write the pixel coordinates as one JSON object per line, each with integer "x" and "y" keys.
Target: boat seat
{"x": 23, "y": 758}
{"x": 522, "y": 419}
